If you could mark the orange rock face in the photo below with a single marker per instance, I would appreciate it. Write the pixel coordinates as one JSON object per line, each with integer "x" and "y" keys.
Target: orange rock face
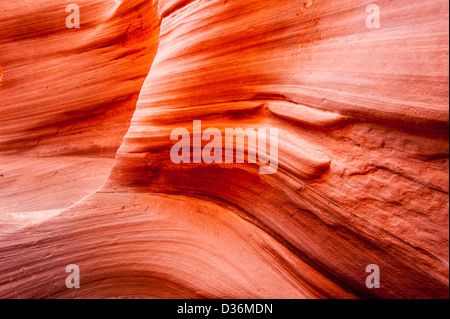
{"x": 87, "y": 178}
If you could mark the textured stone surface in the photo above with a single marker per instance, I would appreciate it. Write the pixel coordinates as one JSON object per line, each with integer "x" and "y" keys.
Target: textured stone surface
{"x": 363, "y": 149}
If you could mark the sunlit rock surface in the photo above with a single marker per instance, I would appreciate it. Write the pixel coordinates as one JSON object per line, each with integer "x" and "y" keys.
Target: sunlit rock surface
{"x": 363, "y": 156}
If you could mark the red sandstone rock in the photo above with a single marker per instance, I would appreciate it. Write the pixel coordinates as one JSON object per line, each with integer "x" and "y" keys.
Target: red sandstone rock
{"x": 363, "y": 149}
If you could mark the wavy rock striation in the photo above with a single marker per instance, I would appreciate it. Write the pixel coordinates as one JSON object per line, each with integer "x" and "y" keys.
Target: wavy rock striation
{"x": 362, "y": 117}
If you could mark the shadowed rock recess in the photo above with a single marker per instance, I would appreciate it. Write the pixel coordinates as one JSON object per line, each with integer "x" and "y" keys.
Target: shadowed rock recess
{"x": 86, "y": 176}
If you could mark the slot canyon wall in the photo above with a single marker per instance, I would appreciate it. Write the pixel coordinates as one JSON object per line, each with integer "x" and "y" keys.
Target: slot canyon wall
{"x": 86, "y": 175}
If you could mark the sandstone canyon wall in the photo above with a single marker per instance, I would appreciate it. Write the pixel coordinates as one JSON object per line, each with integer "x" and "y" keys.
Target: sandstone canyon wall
{"x": 86, "y": 175}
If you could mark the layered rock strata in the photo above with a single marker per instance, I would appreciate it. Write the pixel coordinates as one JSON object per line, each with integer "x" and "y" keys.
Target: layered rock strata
{"x": 362, "y": 117}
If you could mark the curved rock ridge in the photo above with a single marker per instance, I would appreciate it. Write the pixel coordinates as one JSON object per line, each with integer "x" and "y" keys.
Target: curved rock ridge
{"x": 72, "y": 91}
{"x": 67, "y": 96}
{"x": 363, "y": 172}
